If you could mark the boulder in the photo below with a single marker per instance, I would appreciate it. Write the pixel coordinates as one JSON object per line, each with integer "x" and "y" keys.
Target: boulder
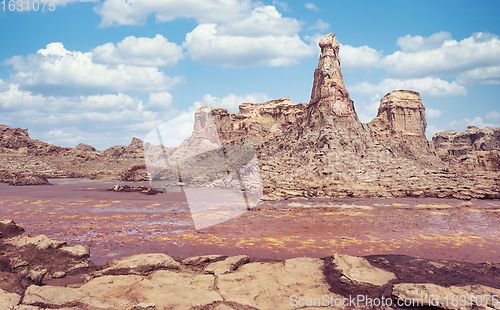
{"x": 275, "y": 285}
{"x": 85, "y": 147}
{"x": 29, "y": 180}
{"x": 226, "y": 266}
{"x": 359, "y": 270}
{"x": 8, "y": 300}
{"x": 140, "y": 264}
{"x": 41, "y": 242}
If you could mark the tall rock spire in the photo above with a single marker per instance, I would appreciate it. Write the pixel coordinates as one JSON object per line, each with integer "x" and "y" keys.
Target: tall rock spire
{"x": 328, "y": 87}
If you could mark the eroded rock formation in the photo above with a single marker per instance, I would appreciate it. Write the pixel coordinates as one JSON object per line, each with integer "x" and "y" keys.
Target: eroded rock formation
{"x": 472, "y": 150}
{"x": 26, "y": 161}
{"x": 400, "y": 124}
{"x": 321, "y": 149}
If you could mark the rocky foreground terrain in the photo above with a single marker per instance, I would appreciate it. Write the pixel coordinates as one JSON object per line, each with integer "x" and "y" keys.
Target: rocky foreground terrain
{"x": 315, "y": 149}
{"x": 39, "y": 273}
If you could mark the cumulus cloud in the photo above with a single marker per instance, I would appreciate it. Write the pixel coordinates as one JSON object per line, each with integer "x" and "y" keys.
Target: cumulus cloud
{"x": 101, "y": 120}
{"x": 151, "y": 52}
{"x": 56, "y": 70}
{"x": 262, "y": 21}
{"x": 320, "y": 25}
{"x": 440, "y": 55}
{"x": 433, "y": 113}
{"x": 432, "y": 130}
{"x": 429, "y": 87}
{"x": 231, "y": 102}
{"x": 205, "y": 44}
{"x": 231, "y": 33}
{"x": 311, "y": 6}
{"x": 358, "y": 58}
{"x": 58, "y": 3}
{"x": 411, "y": 44}
{"x": 123, "y": 12}
{"x": 480, "y": 76}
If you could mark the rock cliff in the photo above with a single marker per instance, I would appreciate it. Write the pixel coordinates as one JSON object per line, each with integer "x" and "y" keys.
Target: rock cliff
{"x": 321, "y": 149}
{"x": 400, "y": 124}
{"x": 472, "y": 150}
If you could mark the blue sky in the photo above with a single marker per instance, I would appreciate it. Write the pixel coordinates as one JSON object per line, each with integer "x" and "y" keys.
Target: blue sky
{"x": 102, "y": 72}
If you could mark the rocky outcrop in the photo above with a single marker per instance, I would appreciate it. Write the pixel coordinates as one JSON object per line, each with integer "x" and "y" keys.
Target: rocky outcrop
{"x": 59, "y": 277}
{"x": 29, "y": 180}
{"x": 472, "y": 150}
{"x": 85, "y": 147}
{"x": 256, "y": 122}
{"x": 400, "y": 124}
{"x": 26, "y": 161}
{"x": 321, "y": 149}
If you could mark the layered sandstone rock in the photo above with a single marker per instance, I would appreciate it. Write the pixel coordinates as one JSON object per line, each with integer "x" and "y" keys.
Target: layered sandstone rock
{"x": 472, "y": 150}
{"x": 256, "y": 122}
{"x": 400, "y": 124}
{"x": 321, "y": 149}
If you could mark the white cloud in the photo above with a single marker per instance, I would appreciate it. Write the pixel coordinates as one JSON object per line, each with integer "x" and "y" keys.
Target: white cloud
{"x": 152, "y": 52}
{"x": 358, "y": 58}
{"x": 493, "y": 116}
{"x": 101, "y": 120}
{"x": 311, "y": 6}
{"x": 428, "y": 87}
{"x": 433, "y": 113}
{"x": 56, "y": 70}
{"x": 231, "y": 101}
{"x": 59, "y": 3}
{"x": 320, "y": 25}
{"x": 162, "y": 101}
{"x": 449, "y": 59}
{"x": 206, "y": 45}
{"x": 283, "y": 5}
{"x": 480, "y": 76}
{"x": 262, "y": 21}
{"x": 231, "y": 33}
{"x": 123, "y": 12}
{"x": 432, "y": 130}
{"x": 411, "y": 44}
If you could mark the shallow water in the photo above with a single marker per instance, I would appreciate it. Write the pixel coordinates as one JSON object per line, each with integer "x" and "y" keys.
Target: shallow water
{"x": 120, "y": 224}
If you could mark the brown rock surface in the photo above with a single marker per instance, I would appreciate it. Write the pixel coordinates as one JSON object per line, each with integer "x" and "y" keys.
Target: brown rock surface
{"x": 358, "y": 270}
{"x": 472, "y": 150}
{"x": 400, "y": 124}
{"x": 25, "y": 161}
